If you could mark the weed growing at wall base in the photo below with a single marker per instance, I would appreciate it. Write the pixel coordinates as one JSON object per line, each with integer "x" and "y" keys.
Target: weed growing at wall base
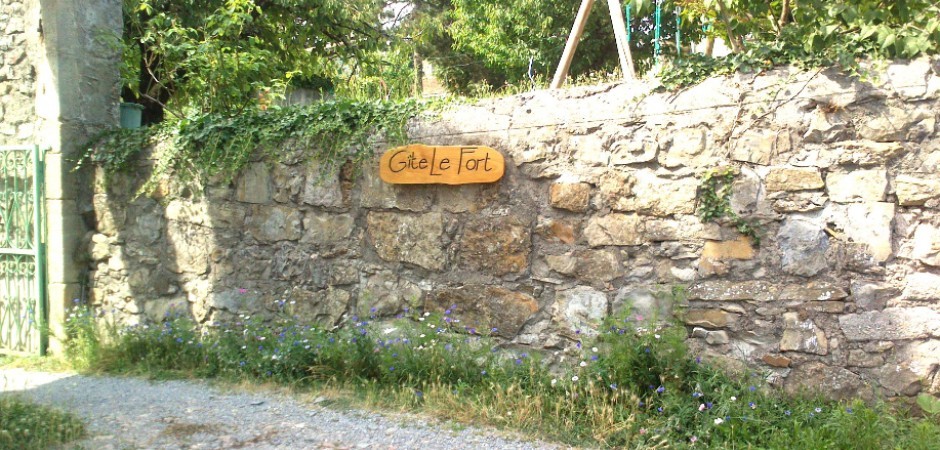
{"x": 26, "y": 426}
{"x": 633, "y": 386}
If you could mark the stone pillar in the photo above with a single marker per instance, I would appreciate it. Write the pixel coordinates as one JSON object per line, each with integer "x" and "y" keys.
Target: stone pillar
{"x": 77, "y": 97}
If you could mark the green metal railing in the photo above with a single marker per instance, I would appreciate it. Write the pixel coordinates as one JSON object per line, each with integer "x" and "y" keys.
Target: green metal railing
{"x": 23, "y": 307}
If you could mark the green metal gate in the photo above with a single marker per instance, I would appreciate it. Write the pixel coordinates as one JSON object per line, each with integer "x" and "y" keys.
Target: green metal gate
{"x": 23, "y": 309}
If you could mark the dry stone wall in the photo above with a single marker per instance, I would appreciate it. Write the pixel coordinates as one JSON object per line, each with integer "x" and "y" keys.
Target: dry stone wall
{"x": 17, "y": 74}
{"x": 596, "y": 215}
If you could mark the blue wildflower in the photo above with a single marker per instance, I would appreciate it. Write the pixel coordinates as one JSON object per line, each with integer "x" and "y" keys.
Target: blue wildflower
{"x": 660, "y": 390}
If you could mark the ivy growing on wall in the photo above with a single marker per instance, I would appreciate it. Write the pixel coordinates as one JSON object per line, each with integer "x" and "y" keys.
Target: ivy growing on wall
{"x": 715, "y": 202}
{"x": 219, "y": 146}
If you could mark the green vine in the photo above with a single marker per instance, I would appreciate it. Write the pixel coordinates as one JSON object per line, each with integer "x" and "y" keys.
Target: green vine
{"x": 218, "y": 146}
{"x": 715, "y": 202}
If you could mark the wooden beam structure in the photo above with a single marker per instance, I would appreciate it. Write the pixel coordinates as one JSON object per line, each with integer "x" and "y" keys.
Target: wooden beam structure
{"x": 620, "y": 33}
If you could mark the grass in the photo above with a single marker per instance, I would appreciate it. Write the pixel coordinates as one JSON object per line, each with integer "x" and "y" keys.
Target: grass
{"x": 633, "y": 386}
{"x": 25, "y": 425}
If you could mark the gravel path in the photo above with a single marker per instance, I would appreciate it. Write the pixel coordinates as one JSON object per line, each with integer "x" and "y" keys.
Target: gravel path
{"x": 129, "y": 413}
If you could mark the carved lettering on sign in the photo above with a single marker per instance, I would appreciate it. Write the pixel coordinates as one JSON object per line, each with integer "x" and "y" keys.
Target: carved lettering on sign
{"x": 425, "y": 164}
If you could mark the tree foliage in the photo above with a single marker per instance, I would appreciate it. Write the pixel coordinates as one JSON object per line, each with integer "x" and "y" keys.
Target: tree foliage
{"x": 220, "y": 55}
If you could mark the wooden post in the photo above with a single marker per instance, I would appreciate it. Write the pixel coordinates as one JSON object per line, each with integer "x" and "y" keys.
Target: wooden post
{"x": 576, "y": 30}
{"x": 620, "y": 34}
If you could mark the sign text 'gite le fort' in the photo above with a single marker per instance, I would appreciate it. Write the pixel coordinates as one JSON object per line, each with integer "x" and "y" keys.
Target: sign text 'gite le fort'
{"x": 425, "y": 164}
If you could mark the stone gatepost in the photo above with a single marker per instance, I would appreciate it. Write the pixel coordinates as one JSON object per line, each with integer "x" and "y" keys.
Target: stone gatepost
{"x": 61, "y": 85}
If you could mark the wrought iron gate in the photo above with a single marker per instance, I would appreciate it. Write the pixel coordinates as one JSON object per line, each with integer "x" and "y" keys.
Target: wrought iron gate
{"x": 23, "y": 309}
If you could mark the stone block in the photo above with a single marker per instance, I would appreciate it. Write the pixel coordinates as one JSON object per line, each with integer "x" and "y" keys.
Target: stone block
{"x": 814, "y": 291}
{"x": 891, "y": 324}
{"x": 633, "y": 149}
{"x": 643, "y": 301}
{"x": 924, "y": 245}
{"x": 254, "y": 184}
{"x": 496, "y": 245}
{"x": 830, "y": 381}
{"x": 803, "y": 245}
{"x": 580, "y": 309}
{"x": 776, "y": 360}
{"x": 325, "y": 228}
{"x": 857, "y": 186}
{"x": 915, "y": 190}
{"x": 614, "y": 229}
{"x": 409, "y": 238}
{"x": 793, "y": 179}
{"x": 739, "y": 249}
{"x": 865, "y": 153}
{"x": 379, "y": 194}
{"x": 689, "y": 147}
{"x": 644, "y": 192}
{"x": 870, "y": 296}
{"x": 800, "y": 201}
{"x": 866, "y": 223}
{"x": 802, "y": 336}
{"x": 759, "y": 147}
{"x": 564, "y": 231}
{"x": 861, "y": 358}
{"x": 892, "y": 124}
{"x": 587, "y": 265}
{"x": 275, "y": 223}
{"x": 922, "y": 286}
{"x": 160, "y": 309}
{"x": 709, "y": 318}
{"x": 325, "y": 307}
{"x": 682, "y": 228}
{"x": 322, "y": 188}
{"x": 486, "y": 308}
{"x": 571, "y": 196}
{"x": 725, "y": 291}
{"x": 187, "y": 248}
{"x": 711, "y": 337}
{"x": 385, "y": 294}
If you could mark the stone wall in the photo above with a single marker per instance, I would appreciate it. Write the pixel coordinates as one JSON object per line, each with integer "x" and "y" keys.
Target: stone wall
{"x": 18, "y": 121}
{"x": 596, "y": 215}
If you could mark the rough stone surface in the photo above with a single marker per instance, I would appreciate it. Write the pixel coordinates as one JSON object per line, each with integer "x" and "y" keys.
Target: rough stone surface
{"x": 587, "y": 265}
{"x": 793, "y": 179}
{"x": 497, "y": 245}
{"x": 803, "y": 245}
{"x": 710, "y": 318}
{"x": 275, "y": 223}
{"x": 571, "y": 196}
{"x": 917, "y": 189}
{"x": 803, "y": 336}
{"x": 857, "y": 186}
{"x": 486, "y": 307}
{"x": 868, "y": 224}
{"x": 386, "y": 294}
{"x": 891, "y": 324}
{"x": 644, "y": 192}
{"x": 580, "y": 310}
{"x": 325, "y": 307}
{"x": 614, "y": 229}
{"x": 327, "y": 228}
{"x": 414, "y": 239}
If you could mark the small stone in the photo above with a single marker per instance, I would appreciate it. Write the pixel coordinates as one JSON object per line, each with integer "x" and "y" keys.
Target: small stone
{"x": 759, "y": 148}
{"x": 571, "y": 196}
{"x": 776, "y": 360}
{"x": 793, "y": 179}
{"x": 717, "y": 338}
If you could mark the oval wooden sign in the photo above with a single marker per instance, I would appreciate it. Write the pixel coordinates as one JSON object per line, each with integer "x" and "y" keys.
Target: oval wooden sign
{"x": 425, "y": 164}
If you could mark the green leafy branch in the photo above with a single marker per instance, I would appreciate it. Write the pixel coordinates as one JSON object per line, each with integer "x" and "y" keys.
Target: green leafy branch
{"x": 715, "y": 202}
{"x": 217, "y": 146}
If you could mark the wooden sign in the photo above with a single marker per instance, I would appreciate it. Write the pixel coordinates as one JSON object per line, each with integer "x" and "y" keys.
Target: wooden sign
{"x": 425, "y": 164}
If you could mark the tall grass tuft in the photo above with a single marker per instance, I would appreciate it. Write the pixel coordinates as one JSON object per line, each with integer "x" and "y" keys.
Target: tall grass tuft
{"x": 27, "y": 426}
